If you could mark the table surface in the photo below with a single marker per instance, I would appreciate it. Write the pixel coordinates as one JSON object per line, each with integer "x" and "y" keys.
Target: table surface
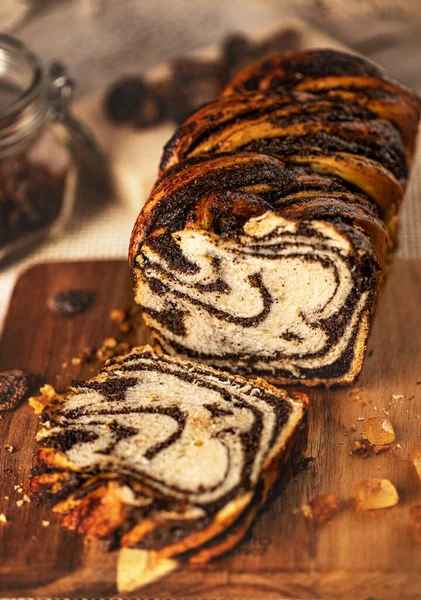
{"x": 359, "y": 554}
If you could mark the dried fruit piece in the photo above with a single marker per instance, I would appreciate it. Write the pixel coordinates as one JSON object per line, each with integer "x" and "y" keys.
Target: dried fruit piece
{"x": 70, "y": 302}
{"x": 15, "y": 386}
{"x": 321, "y": 508}
{"x": 416, "y": 461}
{"x": 380, "y": 431}
{"x": 47, "y": 397}
{"x": 371, "y": 494}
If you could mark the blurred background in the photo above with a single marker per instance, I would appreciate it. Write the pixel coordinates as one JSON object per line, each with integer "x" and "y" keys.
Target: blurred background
{"x": 101, "y": 42}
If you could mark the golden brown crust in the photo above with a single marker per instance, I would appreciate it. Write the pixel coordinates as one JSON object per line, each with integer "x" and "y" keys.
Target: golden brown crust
{"x": 312, "y": 136}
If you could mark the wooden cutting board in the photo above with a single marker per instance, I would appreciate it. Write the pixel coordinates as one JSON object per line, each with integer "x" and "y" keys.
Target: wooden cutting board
{"x": 357, "y": 556}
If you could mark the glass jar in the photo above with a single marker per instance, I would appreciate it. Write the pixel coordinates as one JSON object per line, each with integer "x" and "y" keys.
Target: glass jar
{"x": 38, "y": 148}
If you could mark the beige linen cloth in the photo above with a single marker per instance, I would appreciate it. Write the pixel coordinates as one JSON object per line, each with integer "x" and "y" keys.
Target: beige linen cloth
{"x": 101, "y": 227}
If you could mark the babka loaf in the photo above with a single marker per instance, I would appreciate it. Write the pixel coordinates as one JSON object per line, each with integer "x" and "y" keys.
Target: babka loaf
{"x": 263, "y": 244}
{"x": 167, "y": 455}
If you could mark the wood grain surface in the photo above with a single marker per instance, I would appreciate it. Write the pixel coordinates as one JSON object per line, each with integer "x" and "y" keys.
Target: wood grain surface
{"x": 357, "y": 556}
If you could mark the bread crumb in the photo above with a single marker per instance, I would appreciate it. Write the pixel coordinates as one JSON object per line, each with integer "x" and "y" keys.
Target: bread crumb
{"x": 47, "y": 397}
{"x": 321, "y": 508}
{"x": 381, "y": 448}
{"x": 110, "y": 342}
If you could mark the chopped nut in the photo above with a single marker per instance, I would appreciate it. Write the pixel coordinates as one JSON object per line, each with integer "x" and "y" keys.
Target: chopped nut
{"x": 47, "y": 397}
{"x": 416, "y": 461}
{"x": 26, "y": 498}
{"x": 110, "y": 342}
{"x": 375, "y": 493}
{"x": 361, "y": 419}
{"x": 45, "y": 523}
{"x": 398, "y": 396}
{"x": 19, "y": 503}
{"x": 321, "y": 508}
{"x": 383, "y": 448}
{"x": 3, "y": 518}
{"x": 380, "y": 431}
{"x": 357, "y": 445}
{"x": 10, "y": 449}
{"x": 118, "y": 315}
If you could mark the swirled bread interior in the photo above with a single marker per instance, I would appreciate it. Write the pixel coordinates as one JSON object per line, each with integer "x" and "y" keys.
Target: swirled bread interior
{"x": 164, "y": 454}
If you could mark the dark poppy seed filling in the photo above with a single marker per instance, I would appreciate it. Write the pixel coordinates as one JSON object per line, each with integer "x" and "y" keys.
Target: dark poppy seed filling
{"x": 168, "y": 443}
{"x": 265, "y": 239}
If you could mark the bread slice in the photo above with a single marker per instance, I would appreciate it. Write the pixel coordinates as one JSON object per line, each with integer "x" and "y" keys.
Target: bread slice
{"x": 166, "y": 455}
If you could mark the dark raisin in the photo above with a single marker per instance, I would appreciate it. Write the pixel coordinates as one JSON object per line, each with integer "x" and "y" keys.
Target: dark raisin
{"x": 15, "y": 386}
{"x": 235, "y": 48}
{"x": 132, "y": 100}
{"x": 70, "y": 302}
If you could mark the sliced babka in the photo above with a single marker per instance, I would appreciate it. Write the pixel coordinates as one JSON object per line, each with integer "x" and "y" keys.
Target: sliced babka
{"x": 263, "y": 244}
{"x": 166, "y": 455}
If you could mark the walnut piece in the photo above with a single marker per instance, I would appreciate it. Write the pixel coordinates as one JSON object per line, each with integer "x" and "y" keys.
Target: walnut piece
{"x": 371, "y": 494}
{"x": 321, "y": 508}
{"x": 380, "y": 431}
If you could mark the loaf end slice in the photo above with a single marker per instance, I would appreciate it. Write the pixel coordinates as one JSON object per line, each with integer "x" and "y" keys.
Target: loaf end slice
{"x": 166, "y": 455}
